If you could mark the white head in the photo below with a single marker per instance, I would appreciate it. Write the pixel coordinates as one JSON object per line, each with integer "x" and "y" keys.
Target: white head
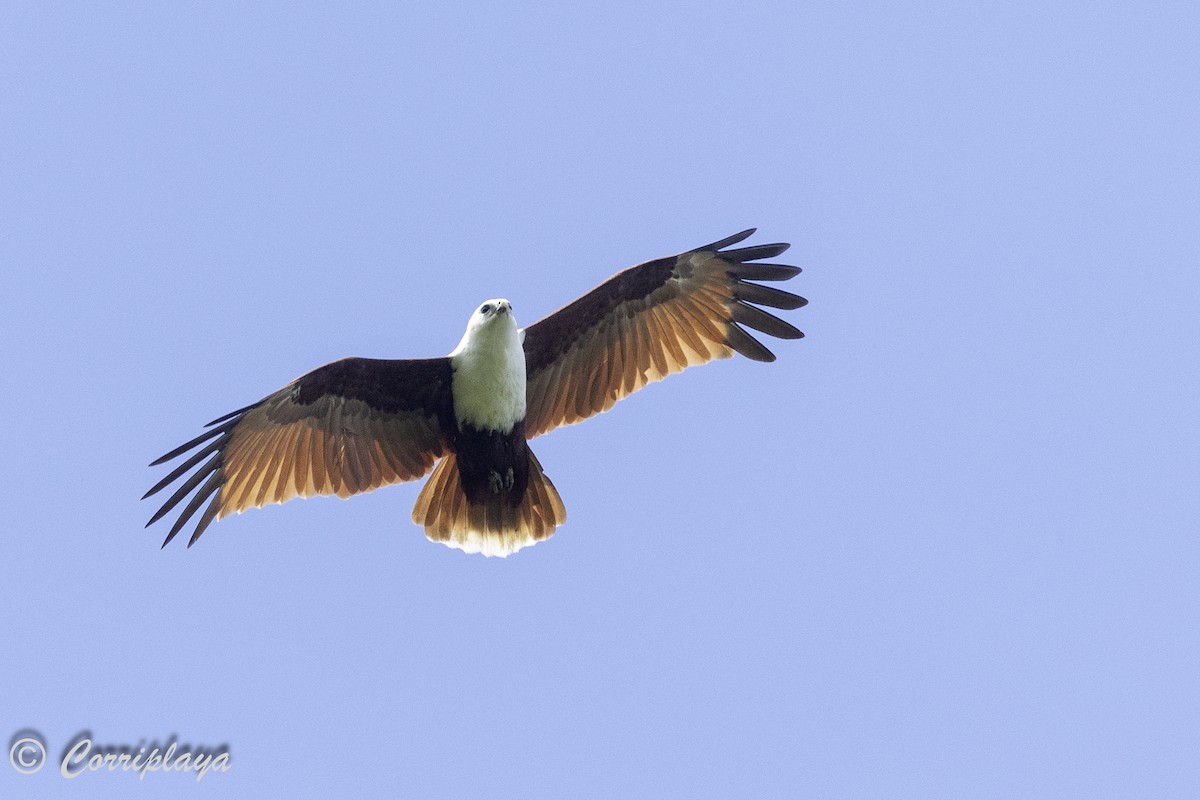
{"x": 489, "y": 370}
{"x": 492, "y": 325}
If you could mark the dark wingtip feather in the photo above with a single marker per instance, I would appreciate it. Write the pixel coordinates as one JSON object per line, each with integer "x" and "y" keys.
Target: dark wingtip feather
{"x": 737, "y": 338}
{"x": 166, "y": 507}
{"x": 210, "y": 486}
{"x": 183, "y": 448}
{"x": 762, "y": 321}
{"x": 728, "y": 240}
{"x": 767, "y": 296}
{"x": 755, "y": 252}
{"x": 233, "y": 414}
{"x": 205, "y": 519}
{"x": 211, "y": 467}
{"x": 192, "y": 461}
{"x": 763, "y": 272}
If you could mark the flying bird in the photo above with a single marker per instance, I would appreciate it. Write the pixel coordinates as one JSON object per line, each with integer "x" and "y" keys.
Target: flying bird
{"x": 357, "y": 424}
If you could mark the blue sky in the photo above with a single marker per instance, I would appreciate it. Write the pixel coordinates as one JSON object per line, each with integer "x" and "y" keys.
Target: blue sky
{"x": 945, "y": 546}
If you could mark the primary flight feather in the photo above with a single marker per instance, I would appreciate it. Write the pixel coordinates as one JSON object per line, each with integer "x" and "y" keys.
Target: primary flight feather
{"x": 359, "y": 423}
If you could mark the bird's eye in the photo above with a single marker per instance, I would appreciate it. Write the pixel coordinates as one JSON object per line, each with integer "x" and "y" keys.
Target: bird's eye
{"x": 486, "y": 309}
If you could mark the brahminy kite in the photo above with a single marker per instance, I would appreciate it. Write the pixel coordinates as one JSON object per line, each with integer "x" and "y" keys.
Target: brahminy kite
{"x": 357, "y": 424}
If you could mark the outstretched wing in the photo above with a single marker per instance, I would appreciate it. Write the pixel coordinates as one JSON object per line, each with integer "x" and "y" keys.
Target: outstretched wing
{"x": 344, "y": 428}
{"x": 650, "y": 321}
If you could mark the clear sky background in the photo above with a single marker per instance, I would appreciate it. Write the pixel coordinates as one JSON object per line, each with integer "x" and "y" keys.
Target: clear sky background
{"x": 946, "y": 546}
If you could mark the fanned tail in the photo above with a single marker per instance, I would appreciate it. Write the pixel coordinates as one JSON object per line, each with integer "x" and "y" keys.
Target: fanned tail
{"x": 494, "y": 525}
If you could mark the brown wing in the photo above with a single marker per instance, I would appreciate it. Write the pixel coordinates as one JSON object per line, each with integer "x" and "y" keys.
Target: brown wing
{"x": 344, "y": 428}
{"x": 648, "y": 322}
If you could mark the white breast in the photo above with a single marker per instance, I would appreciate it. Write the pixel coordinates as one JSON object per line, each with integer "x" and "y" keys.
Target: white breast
{"x": 489, "y": 375}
